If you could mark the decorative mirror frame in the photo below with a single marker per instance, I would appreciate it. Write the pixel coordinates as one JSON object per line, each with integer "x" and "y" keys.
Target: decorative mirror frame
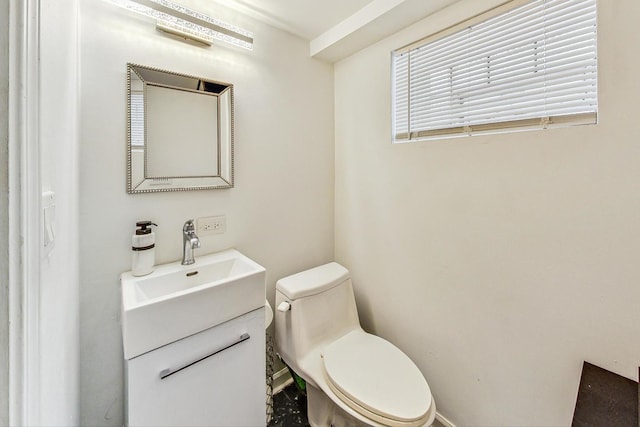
{"x": 143, "y": 183}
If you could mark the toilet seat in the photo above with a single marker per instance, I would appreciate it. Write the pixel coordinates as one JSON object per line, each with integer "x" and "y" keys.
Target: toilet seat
{"x": 377, "y": 380}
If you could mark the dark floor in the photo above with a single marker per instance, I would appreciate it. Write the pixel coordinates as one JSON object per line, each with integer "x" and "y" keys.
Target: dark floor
{"x": 606, "y": 399}
{"x": 289, "y": 408}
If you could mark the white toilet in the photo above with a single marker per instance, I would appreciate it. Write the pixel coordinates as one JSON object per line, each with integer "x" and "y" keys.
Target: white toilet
{"x": 353, "y": 378}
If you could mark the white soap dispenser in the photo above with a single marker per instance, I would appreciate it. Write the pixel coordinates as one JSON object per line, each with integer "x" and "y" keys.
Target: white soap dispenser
{"x": 143, "y": 244}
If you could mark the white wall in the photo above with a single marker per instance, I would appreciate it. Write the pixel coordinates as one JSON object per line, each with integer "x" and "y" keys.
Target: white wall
{"x": 498, "y": 263}
{"x": 59, "y": 353}
{"x": 4, "y": 214}
{"x": 280, "y": 212}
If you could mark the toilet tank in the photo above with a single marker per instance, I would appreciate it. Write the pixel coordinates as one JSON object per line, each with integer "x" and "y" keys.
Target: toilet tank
{"x": 323, "y": 308}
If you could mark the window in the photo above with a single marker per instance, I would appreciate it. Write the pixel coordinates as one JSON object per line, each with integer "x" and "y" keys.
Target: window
{"x": 532, "y": 66}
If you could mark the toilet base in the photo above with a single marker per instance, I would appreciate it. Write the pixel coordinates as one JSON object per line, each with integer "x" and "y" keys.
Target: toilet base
{"x": 322, "y": 412}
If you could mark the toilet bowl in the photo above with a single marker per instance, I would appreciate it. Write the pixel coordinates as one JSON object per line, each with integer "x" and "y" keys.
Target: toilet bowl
{"x": 353, "y": 377}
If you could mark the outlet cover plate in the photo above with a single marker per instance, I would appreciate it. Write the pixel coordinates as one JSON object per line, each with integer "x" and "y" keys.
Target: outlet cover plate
{"x": 211, "y": 225}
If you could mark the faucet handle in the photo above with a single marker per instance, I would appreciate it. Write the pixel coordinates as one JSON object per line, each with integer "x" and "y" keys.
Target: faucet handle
{"x": 188, "y": 226}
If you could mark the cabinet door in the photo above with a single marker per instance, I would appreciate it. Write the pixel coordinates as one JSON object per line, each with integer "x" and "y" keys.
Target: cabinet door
{"x": 213, "y": 378}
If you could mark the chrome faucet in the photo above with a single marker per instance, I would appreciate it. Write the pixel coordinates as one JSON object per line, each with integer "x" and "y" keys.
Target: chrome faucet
{"x": 190, "y": 241}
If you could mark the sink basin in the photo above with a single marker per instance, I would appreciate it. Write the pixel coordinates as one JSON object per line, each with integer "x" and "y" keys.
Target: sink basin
{"x": 176, "y": 301}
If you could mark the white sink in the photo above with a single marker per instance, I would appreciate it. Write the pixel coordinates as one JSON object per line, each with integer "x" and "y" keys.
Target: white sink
{"x": 176, "y": 301}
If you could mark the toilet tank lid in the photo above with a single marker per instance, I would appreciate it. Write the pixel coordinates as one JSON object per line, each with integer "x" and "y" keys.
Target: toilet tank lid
{"x": 313, "y": 281}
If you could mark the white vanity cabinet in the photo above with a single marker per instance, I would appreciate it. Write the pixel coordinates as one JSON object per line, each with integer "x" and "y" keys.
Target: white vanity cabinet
{"x": 213, "y": 378}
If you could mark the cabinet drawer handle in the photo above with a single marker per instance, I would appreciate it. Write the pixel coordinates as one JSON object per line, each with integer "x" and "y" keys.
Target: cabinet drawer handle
{"x": 168, "y": 372}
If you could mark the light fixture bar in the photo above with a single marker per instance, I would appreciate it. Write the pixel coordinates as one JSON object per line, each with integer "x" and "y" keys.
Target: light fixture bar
{"x": 177, "y": 30}
{"x": 185, "y": 22}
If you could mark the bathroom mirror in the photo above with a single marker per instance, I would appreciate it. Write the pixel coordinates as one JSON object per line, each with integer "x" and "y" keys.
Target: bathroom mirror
{"x": 180, "y": 131}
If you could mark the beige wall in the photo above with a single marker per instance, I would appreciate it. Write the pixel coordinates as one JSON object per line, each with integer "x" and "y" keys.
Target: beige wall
{"x": 58, "y": 390}
{"x": 498, "y": 263}
{"x": 280, "y": 213}
{"x": 4, "y": 213}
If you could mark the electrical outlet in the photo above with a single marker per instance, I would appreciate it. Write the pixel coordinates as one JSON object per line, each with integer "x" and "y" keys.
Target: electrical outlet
{"x": 211, "y": 225}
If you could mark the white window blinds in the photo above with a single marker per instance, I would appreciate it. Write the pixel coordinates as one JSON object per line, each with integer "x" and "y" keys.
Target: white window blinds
{"x": 532, "y": 66}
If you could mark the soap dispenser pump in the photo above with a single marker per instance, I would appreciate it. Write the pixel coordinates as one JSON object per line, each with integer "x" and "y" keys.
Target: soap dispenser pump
{"x": 143, "y": 244}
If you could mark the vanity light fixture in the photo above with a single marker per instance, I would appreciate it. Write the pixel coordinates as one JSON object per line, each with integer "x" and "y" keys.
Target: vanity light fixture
{"x": 179, "y": 20}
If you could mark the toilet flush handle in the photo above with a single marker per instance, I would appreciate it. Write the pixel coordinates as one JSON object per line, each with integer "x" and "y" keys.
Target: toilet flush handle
{"x": 284, "y": 306}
